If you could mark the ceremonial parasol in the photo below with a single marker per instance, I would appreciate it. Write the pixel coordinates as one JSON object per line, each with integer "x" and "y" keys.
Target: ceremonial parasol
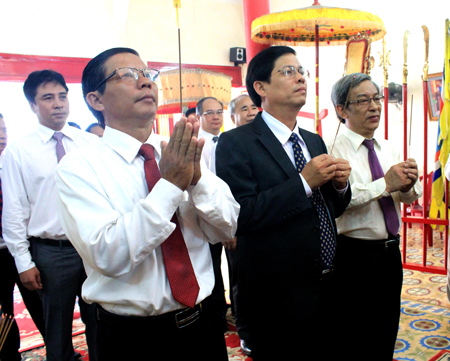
{"x": 196, "y": 84}
{"x": 316, "y": 26}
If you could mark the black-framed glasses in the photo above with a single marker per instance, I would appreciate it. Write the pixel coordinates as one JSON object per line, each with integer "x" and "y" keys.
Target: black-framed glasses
{"x": 290, "y": 71}
{"x": 365, "y": 102}
{"x": 130, "y": 74}
{"x": 211, "y": 113}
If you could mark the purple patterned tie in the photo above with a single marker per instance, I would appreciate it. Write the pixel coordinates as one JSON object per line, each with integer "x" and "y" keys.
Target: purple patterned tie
{"x": 327, "y": 237}
{"x": 387, "y": 203}
{"x": 60, "y": 151}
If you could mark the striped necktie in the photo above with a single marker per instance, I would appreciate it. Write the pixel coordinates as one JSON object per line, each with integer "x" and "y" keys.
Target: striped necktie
{"x": 60, "y": 151}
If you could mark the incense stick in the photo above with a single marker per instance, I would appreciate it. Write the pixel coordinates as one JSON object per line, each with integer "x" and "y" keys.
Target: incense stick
{"x": 4, "y": 329}
{"x": 410, "y": 126}
{"x": 345, "y": 106}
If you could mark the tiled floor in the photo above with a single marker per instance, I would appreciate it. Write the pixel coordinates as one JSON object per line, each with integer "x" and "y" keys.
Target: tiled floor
{"x": 425, "y": 317}
{"x": 424, "y": 332}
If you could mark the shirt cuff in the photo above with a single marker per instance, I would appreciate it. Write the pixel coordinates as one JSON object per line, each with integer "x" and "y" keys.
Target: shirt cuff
{"x": 165, "y": 198}
{"x": 24, "y": 262}
{"x": 306, "y": 186}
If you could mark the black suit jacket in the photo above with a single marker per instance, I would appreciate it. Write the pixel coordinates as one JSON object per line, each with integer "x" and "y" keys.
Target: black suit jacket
{"x": 278, "y": 226}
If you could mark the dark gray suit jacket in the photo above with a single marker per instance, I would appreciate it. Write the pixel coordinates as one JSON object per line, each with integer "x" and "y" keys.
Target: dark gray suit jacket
{"x": 278, "y": 227}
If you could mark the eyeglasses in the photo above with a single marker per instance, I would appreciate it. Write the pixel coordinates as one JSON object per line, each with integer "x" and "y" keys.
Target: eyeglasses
{"x": 129, "y": 74}
{"x": 365, "y": 102}
{"x": 290, "y": 71}
{"x": 211, "y": 113}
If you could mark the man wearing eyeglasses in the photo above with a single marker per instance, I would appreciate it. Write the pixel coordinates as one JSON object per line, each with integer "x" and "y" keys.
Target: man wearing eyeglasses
{"x": 368, "y": 264}
{"x": 210, "y": 116}
{"x": 45, "y": 258}
{"x": 140, "y": 211}
{"x": 290, "y": 191}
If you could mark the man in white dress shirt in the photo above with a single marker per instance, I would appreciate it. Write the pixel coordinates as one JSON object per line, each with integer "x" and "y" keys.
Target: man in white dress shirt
{"x": 242, "y": 111}
{"x": 122, "y": 231}
{"x": 210, "y": 116}
{"x": 9, "y": 277}
{"x": 368, "y": 261}
{"x": 52, "y": 267}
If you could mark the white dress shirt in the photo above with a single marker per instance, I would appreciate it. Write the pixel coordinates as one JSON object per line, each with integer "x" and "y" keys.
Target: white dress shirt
{"x": 117, "y": 227}
{"x": 209, "y": 147}
{"x": 29, "y": 193}
{"x": 363, "y": 217}
{"x": 2, "y": 242}
{"x": 283, "y": 133}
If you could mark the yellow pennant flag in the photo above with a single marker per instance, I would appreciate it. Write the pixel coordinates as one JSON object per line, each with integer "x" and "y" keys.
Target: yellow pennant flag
{"x": 437, "y": 206}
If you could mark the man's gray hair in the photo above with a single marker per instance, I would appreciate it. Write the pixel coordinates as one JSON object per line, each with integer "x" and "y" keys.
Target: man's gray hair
{"x": 341, "y": 88}
{"x": 232, "y": 105}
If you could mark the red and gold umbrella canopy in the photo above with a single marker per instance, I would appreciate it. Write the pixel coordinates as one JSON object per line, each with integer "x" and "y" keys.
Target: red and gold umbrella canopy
{"x": 298, "y": 27}
{"x": 316, "y": 26}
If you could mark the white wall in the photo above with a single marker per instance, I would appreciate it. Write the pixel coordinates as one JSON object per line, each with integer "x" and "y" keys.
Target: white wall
{"x": 83, "y": 28}
{"x": 397, "y": 16}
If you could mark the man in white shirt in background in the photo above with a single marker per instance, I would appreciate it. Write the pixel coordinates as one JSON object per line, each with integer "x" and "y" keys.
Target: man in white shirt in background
{"x": 53, "y": 266}
{"x": 125, "y": 201}
{"x": 242, "y": 111}
{"x": 9, "y": 277}
{"x": 210, "y": 116}
{"x": 368, "y": 263}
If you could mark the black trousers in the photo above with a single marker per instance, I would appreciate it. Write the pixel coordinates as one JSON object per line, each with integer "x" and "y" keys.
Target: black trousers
{"x": 235, "y": 296}
{"x": 279, "y": 336}
{"x": 62, "y": 274}
{"x": 218, "y": 301}
{"x": 125, "y": 338}
{"x": 8, "y": 278}
{"x": 369, "y": 278}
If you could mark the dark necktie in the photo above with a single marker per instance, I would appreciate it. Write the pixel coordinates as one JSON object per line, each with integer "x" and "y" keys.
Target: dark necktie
{"x": 387, "y": 203}
{"x": 180, "y": 272}
{"x": 327, "y": 237}
{"x": 60, "y": 151}
{"x": 215, "y": 139}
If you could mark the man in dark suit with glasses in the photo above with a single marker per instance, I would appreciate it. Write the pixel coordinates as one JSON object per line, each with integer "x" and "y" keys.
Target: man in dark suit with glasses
{"x": 290, "y": 191}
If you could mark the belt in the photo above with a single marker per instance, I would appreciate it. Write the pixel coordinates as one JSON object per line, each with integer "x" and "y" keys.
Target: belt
{"x": 175, "y": 320}
{"x": 51, "y": 242}
{"x": 382, "y": 245}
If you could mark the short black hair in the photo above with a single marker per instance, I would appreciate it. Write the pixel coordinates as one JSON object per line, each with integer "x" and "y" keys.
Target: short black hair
{"x": 1, "y": 115}
{"x": 201, "y": 101}
{"x": 341, "y": 88}
{"x": 261, "y": 68}
{"x": 94, "y": 73}
{"x": 41, "y": 77}
{"x": 88, "y": 129}
{"x": 190, "y": 111}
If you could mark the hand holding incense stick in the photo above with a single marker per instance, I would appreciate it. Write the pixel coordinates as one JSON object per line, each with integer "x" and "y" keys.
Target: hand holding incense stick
{"x": 345, "y": 106}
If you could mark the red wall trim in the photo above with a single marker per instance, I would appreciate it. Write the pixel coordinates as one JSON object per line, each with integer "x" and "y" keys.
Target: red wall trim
{"x": 16, "y": 67}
